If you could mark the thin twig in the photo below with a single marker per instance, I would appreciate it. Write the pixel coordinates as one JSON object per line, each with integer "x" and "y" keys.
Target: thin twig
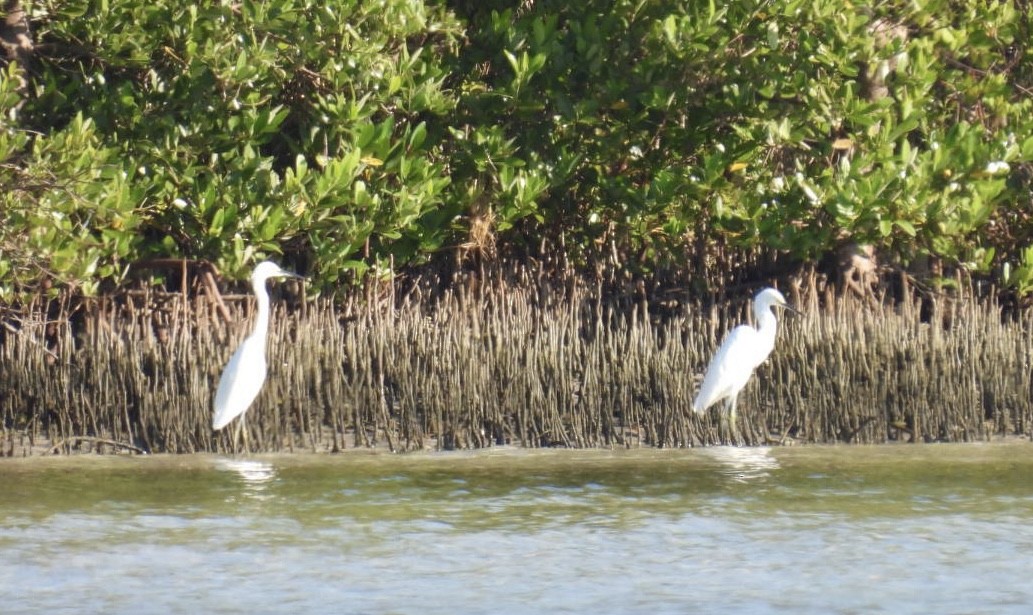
{"x": 54, "y": 450}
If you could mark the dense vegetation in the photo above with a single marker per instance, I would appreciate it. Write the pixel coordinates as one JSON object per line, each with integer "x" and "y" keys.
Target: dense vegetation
{"x": 351, "y": 138}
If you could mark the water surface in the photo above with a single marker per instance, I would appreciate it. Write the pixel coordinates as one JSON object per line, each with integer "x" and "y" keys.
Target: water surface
{"x": 891, "y": 529}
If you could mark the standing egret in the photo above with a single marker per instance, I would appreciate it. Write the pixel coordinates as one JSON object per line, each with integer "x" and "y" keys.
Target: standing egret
{"x": 245, "y": 373}
{"x": 739, "y": 354}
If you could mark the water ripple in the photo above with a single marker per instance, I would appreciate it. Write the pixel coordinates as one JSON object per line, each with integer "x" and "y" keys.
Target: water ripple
{"x": 744, "y": 464}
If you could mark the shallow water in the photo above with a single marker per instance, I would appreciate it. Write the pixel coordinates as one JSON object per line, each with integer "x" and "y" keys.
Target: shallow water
{"x": 894, "y": 529}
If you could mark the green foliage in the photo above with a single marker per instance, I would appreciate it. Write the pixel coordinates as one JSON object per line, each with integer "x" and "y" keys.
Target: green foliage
{"x": 348, "y": 136}
{"x": 794, "y": 125}
{"x": 255, "y": 128}
{"x": 72, "y": 206}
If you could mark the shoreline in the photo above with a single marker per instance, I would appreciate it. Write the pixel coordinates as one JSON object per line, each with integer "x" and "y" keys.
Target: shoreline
{"x": 39, "y": 452}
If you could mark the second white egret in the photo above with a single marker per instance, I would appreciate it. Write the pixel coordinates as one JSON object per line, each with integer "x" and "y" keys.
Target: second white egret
{"x": 245, "y": 373}
{"x": 740, "y": 353}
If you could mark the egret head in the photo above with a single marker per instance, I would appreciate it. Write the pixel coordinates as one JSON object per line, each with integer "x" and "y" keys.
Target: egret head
{"x": 768, "y": 298}
{"x": 269, "y": 269}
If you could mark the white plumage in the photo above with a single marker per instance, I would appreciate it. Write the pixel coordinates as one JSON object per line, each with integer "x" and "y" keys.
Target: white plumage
{"x": 245, "y": 373}
{"x": 740, "y": 353}
{"x": 241, "y": 381}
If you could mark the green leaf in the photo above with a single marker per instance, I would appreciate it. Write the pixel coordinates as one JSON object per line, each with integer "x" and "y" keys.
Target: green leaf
{"x": 906, "y": 226}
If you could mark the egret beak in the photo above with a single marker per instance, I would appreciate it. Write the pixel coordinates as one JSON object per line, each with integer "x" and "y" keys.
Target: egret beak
{"x": 792, "y": 309}
{"x": 290, "y": 275}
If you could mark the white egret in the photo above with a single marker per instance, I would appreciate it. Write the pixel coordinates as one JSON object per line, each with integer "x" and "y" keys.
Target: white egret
{"x": 245, "y": 373}
{"x": 739, "y": 354}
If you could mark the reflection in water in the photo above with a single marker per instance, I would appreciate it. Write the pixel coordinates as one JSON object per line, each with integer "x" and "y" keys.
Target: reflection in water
{"x": 255, "y": 474}
{"x": 744, "y": 463}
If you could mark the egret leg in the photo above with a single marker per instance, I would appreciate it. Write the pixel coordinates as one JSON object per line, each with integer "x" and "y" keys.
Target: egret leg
{"x": 241, "y": 432}
{"x": 236, "y": 436}
{"x": 247, "y": 446}
{"x": 732, "y": 419}
{"x": 726, "y": 421}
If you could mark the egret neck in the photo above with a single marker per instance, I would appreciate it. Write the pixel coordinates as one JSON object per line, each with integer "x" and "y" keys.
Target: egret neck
{"x": 262, "y": 322}
{"x": 767, "y": 327}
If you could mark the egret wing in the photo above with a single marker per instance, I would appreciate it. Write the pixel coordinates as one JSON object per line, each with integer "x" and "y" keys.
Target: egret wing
{"x": 730, "y": 368}
{"x": 240, "y": 382}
